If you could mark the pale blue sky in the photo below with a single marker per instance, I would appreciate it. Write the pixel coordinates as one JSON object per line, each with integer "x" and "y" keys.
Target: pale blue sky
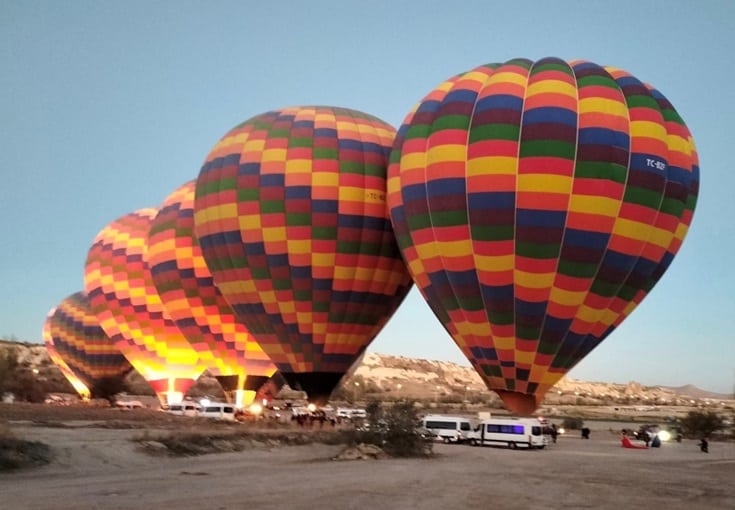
{"x": 107, "y": 107}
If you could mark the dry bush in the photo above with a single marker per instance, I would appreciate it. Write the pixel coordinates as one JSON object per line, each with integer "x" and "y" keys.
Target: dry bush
{"x": 200, "y": 442}
{"x": 17, "y": 453}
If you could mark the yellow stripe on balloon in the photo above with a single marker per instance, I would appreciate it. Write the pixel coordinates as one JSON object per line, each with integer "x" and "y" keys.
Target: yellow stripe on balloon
{"x": 494, "y": 263}
{"x": 273, "y": 155}
{"x": 594, "y": 205}
{"x": 632, "y": 229}
{"x": 447, "y": 152}
{"x": 552, "y": 87}
{"x": 508, "y": 77}
{"x": 492, "y": 165}
{"x": 411, "y": 161}
{"x": 298, "y": 166}
{"x": 299, "y": 247}
{"x": 274, "y": 234}
{"x": 352, "y": 194}
{"x": 249, "y": 222}
{"x": 567, "y": 297}
{"x": 322, "y": 259}
{"x": 661, "y": 237}
{"x": 455, "y": 248}
{"x": 647, "y": 129}
{"x": 533, "y": 280}
{"x": 603, "y": 105}
{"x": 545, "y": 183}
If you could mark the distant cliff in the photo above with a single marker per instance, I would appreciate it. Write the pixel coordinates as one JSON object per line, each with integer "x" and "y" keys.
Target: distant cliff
{"x": 398, "y": 377}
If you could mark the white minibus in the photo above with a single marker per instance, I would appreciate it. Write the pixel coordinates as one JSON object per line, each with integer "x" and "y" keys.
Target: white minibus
{"x": 218, "y": 410}
{"x": 186, "y": 408}
{"x": 510, "y": 432}
{"x": 450, "y": 429}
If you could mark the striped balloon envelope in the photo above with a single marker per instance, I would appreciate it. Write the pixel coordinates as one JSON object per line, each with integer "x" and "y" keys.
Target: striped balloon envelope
{"x": 536, "y": 205}
{"x": 118, "y": 282}
{"x": 76, "y": 383}
{"x": 81, "y": 342}
{"x": 190, "y": 297}
{"x": 291, "y": 217}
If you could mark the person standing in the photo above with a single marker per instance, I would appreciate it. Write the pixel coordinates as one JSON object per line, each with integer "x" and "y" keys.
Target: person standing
{"x": 704, "y": 445}
{"x": 554, "y": 433}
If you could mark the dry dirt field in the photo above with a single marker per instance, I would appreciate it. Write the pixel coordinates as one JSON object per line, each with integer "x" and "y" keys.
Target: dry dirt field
{"x": 96, "y": 467}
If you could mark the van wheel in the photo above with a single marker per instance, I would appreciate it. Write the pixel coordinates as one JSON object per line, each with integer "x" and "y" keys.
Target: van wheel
{"x": 512, "y": 446}
{"x": 541, "y": 447}
{"x": 473, "y": 442}
{"x": 446, "y": 440}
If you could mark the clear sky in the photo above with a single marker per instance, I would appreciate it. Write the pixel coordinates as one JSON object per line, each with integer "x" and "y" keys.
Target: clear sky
{"x": 106, "y": 107}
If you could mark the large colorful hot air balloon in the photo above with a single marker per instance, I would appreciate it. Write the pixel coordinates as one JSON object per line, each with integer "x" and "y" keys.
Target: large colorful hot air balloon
{"x": 48, "y": 339}
{"x": 190, "y": 297}
{"x": 536, "y": 204}
{"x": 120, "y": 288}
{"x": 81, "y": 342}
{"x": 291, "y": 217}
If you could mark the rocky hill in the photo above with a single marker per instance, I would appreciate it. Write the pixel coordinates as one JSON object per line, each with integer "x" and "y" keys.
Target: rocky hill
{"x": 397, "y": 377}
{"x": 440, "y": 380}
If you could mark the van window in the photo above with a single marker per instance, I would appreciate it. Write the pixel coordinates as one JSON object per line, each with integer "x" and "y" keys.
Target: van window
{"x": 505, "y": 429}
{"x": 536, "y": 430}
{"x": 448, "y": 425}
{"x": 465, "y": 425}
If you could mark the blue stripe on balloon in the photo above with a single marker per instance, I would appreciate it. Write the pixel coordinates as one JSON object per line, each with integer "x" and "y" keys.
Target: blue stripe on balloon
{"x": 586, "y": 238}
{"x": 536, "y": 218}
{"x": 491, "y": 200}
{"x": 499, "y": 102}
{"x": 550, "y": 115}
{"x": 602, "y": 136}
{"x": 297, "y": 192}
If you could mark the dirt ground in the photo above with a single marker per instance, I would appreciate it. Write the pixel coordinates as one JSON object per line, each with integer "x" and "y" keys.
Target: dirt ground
{"x": 100, "y": 468}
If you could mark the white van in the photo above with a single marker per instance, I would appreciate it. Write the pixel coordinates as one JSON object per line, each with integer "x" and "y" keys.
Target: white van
{"x": 450, "y": 429}
{"x": 129, "y": 404}
{"x": 184, "y": 409}
{"x": 510, "y": 432}
{"x": 349, "y": 412}
{"x": 218, "y": 410}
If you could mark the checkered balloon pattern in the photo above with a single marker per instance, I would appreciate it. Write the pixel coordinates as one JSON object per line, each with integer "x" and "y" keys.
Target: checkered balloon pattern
{"x": 120, "y": 288}
{"x": 536, "y": 204}
{"x": 186, "y": 288}
{"x": 81, "y": 342}
{"x": 291, "y": 217}
{"x": 49, "y": 341}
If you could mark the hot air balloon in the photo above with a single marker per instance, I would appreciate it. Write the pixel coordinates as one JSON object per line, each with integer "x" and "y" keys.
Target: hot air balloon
{"x": 81, "y": 342}
{"x": 536, "y": 204}
{"x": 190, "y": 297}
{"x": 270, "y": 389}
{"x": 120, "y": 288}
{"x": 291, "y": 217}
{"x": 48, "y": 339}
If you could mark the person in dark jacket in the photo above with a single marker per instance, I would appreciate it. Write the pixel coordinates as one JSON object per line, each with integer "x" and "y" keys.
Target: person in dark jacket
{"x": 704, "y": 445}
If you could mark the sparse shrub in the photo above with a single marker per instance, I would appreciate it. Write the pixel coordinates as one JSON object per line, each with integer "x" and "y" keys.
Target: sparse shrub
{"x": 26, "y": 387}
{"x": 698, "y": 424}
{"x": 17, "y": 453}
{"x": 8, "y": 368}
{"x": 18, "y": 378}
{"x": 189, "y": 443}
{"x": 573, "y": 423}
{"x": 394, "y": 429}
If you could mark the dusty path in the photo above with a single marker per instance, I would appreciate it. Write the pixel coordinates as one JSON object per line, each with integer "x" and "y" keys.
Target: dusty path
{"x": 101, "y": 469}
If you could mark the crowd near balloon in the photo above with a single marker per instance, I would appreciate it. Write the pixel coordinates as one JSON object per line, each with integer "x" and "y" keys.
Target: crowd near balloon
{"x": 533, "y": 203}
